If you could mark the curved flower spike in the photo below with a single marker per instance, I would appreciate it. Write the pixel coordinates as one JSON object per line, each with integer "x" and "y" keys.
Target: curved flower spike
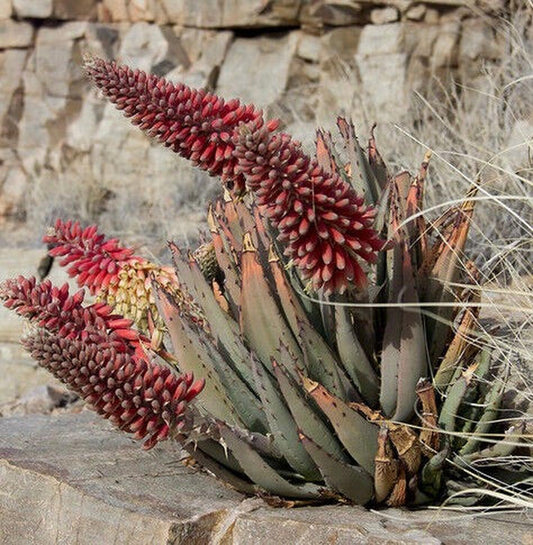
{"x": 325, "y": 225}
{"x": 191, "y": 122}
{"x": 100, "y": 357}
{"x": 115, "y": 275}
{"x": 92, "y": 259}
{"x": 54, "y": 309}
{"x": 136, "y": 395}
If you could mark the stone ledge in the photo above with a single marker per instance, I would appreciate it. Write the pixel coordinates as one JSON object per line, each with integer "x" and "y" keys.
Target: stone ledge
{"x": 84, "y": 483}
{"x": 72, "y": 479}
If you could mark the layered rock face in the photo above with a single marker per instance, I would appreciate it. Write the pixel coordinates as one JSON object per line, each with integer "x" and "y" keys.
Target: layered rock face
{"x": 303, "y": 61}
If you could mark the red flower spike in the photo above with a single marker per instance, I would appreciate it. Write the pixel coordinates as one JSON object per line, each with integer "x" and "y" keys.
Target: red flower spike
{"x": 53, "y": 308}
{"x": 118, "y": 395}
{"x": 98, "y": 356}
{"x": 193, "y": 123}
{"x": 94, "y": 260}
{"x": 318, "y": 214}
{"x": 312, "y": 208}
{"x": 116, "y": 275}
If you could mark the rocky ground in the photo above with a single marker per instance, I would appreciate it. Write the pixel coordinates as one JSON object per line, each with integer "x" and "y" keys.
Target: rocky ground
{"x": 83, "y": 483}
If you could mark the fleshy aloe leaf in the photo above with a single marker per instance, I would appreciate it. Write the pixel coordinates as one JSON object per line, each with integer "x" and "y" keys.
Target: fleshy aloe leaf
{"x": 262, "y": 324}
{"x": 327, "y": 314}
{"x": 447, "y": 269}
{"x": 353, "y": 357}
{"x": 292, "y": 308}
{"x": 502, "y": 448}
{"x": 459, "y": 347}
{"x": 319, "y": 359}
{"x": 325, "y": 152}
{"x": 198, "y": 351}
{"x": 404, "y": 359}
{"x": 305, "y": 415}
{"x": 376, "y": 162}
{"x": 232, "y": 237}
{"x": 282, "y": 424}
{"x": 471, "y": 412}
{"x": 490, "y": 413}
{"x": 219, "y": 469}
{"x": 233, "y": 218}
{"x": 260, "y": 472}
{"x": 353, "y": 482}
{"x": 226, "y": 262}
{"x": 244, "y": 400}
{"x": 363, "y": 178}
{"x": 432, "y": 473}
{"x": 253, "y": 223}
{"x": 224, "y": 330}
{"x": 186, "y": 349}
{"x": 357, "y": 434}
{"x": 454, "y": 397}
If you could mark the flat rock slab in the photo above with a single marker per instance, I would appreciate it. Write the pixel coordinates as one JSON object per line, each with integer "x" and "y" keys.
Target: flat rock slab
{"x": 71, "y": 479}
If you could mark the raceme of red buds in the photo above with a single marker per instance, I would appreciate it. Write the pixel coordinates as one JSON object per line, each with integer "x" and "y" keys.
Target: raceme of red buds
{"x": 94, "y": 260}
{"x": 324, "y": 223}
{"x": 326, "y": 226}
{"x": 99, "y": 356}
{"x": 52, "y": 308}
{"x": 193, "y": 123}
{"x": 138, "y": 396}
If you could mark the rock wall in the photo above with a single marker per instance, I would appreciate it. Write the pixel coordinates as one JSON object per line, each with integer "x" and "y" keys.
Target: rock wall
{"x": 64, "y": 152}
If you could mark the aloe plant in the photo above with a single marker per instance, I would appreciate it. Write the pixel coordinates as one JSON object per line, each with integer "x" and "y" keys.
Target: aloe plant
{"x": 328, "y": 360}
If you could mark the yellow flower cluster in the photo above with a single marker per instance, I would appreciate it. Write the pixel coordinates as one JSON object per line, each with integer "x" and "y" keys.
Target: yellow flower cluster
{"x": 131, "y": 296}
